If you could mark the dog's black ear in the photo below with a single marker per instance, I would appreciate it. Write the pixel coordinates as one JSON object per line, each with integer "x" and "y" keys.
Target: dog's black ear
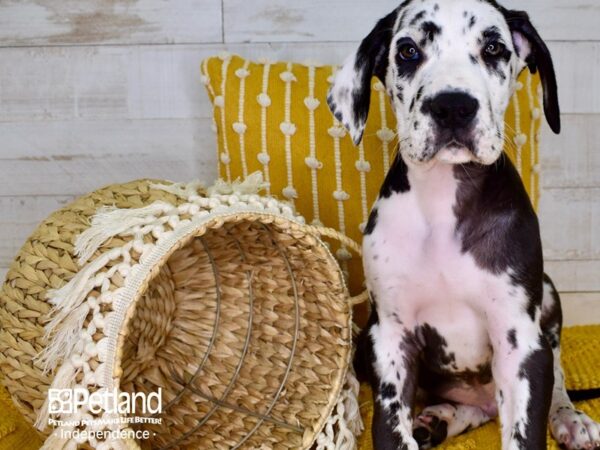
{"x": 350, "y": 94}
{"x": 534, "y": 52}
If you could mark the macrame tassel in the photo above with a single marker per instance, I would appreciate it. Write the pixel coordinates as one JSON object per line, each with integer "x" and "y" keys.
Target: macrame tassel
{"x": 109, "y": 222}
{"x": 63, "y": 379}
{"x": 252, "y": 184}
{"x": 352, "y": 409}
{"x": 64, "y": 339}
{"x": 345, "y": 422}
{"x": 181, "y": 190}
{"x": 62, "y": 334}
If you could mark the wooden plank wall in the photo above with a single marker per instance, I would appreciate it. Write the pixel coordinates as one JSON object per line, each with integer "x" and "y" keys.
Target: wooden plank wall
{"x": 100, "y": 91}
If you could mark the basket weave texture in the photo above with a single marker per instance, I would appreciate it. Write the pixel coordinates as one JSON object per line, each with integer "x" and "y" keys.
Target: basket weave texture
{"x": 227, "y": 302}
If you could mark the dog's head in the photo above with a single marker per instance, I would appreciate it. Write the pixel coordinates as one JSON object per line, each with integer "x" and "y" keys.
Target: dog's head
{"x": 450, "y": 68}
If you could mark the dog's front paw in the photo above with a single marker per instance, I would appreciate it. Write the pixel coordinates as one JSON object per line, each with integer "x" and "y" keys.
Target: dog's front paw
{"x": 574, "y": 429}
{"x": 429, "y": 430}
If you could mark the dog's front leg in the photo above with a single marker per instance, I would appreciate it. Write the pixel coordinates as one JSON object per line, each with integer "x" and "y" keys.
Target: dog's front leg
{"x": 395, "y": 364}
{"x": 522, "y": 370}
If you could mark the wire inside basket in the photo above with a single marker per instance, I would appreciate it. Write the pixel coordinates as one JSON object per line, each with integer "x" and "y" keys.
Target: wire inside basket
{"x": 245, "y": 329}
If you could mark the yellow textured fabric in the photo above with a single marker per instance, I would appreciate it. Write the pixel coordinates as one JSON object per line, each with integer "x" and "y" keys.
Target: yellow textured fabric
{"x": 581, "y": 361}
{"x": 273, "y": 117}
{"x": 15, "y": 432}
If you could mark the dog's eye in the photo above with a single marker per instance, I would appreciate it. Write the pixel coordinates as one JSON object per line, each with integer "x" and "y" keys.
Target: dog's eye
{"x": 409, "y": 52}
{"x": 494, "y": 49}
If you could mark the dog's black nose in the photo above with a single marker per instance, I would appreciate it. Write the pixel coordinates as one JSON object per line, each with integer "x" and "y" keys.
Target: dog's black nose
{"x": 453, "y": 109}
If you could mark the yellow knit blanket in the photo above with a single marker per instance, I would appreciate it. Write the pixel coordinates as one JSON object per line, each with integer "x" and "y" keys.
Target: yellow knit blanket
{"x": 581, "y": 360}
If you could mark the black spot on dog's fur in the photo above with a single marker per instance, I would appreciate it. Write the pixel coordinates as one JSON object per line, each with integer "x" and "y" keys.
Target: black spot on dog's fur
{"x": 396, "y": 180}
{"x": 420, "y": 93}
{"x": 434, "y": 348}
{"x": 396, "y": 318}
{"x": 417, "y": 17}
{"x": 400, "y": 94}
{"x": 551, "y": 320}
{"x": 387, "y": 391}
{"x": 430, "y": 31}
{"x": 371, "y": 222}
{"x": 472, "y": 22}
{"x": 511, "y": 336}
{"x": 412, "y": 105}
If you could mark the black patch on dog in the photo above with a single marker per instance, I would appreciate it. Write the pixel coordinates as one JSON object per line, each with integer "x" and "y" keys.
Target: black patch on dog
{"x": 400, "y": 94}
{"x": 537, "y": 370}
{"x": 434, "y": 349}
{"x": 420, "y": 93}
{"x": 396, "y": 179}
{"x": 371, "y": 222}
{"x": 412, "y": 105}
{"x": 472, "y": 22}
{"x": 497, "y": 225}
{"x": 474, "y": 59}
{"x": 387, "y": 391}
{"x": 396, "y": 318}
{"x": 431, "y": 378}
{"x": 436, "y": 7}
{"x": 430, "y": 30}
{"x": 551, "y": 320}
{"x": 418, "y": 17}
{"x": 511, "y": 336}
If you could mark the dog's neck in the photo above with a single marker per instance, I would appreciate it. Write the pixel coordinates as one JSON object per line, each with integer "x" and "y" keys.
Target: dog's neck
{"x": 434, "y": 185}
{"x": 438, "y": 187}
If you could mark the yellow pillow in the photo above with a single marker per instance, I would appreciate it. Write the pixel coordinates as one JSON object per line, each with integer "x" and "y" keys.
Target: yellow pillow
{"x": 273, "y": 118}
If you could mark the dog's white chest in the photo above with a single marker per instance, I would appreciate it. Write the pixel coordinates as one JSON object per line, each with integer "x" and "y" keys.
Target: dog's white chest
{"x": 414, "y": 246}
{"x": 414, "y": 263}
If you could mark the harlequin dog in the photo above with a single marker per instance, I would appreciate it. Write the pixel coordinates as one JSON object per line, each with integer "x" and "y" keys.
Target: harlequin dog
{"x": 452, "y": 255}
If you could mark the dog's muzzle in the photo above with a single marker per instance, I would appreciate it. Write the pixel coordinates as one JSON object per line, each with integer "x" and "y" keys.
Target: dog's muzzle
{"x": 453, "y": 114}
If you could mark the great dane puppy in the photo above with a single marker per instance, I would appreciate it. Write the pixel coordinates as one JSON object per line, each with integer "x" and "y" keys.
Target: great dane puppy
{"x": 452, "y": 251}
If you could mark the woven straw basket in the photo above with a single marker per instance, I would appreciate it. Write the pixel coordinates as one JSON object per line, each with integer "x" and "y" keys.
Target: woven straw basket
{"x": 223, "y": 299}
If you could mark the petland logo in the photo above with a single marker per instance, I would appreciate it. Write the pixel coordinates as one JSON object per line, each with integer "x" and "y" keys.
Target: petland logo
{"x": 68, "y": 401}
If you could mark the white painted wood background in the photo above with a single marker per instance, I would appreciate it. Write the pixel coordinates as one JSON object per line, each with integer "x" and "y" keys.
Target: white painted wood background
{"x": 100, "y": 91}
